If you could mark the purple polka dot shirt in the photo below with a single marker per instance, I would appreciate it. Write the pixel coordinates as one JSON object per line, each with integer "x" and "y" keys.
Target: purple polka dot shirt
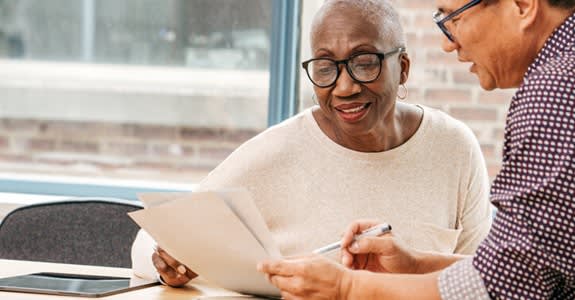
{"x": 530, "y": 250}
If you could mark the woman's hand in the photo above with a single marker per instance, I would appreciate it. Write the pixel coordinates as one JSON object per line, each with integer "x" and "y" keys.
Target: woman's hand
{"x": 384, "y": 254}
{"x": 311, "y": 277}
{"x": 171, "y": 271}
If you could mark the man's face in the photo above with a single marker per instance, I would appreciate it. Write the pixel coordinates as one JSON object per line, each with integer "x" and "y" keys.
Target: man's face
{"x": 485, "y": 36}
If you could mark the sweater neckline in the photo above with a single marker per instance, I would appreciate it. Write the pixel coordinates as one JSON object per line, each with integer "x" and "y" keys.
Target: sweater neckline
{"x": 412, "y": 143}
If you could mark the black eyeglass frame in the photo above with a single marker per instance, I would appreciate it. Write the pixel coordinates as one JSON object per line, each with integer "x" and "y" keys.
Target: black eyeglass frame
{"x": 379, "y": 55}
{"x": 441, "y": 23}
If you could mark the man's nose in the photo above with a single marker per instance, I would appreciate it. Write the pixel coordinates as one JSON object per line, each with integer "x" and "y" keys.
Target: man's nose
{"x": 448, "y": 45}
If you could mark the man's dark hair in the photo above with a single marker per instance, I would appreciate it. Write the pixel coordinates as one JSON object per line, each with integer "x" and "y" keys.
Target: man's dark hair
{"x": 562, "y": 3}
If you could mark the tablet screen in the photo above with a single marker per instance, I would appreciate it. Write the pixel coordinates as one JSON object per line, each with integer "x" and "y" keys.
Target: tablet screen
{"x": 70, "y": 284}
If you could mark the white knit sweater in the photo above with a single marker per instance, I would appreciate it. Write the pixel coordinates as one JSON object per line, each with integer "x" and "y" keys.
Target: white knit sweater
{"x": 433, "y": 189}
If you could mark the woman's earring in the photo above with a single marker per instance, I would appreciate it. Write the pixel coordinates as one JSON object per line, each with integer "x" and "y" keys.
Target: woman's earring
{"x": 404, "y": 93}
{"x": 313, "y": 97}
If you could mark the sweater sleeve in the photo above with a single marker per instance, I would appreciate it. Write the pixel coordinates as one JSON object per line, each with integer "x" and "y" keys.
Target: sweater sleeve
{"x": 475, "y": 214}
{"x": 142, "y": 250}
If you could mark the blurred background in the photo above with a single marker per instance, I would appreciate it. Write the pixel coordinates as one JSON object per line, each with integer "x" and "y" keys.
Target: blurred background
{"x": 164, "y": 90}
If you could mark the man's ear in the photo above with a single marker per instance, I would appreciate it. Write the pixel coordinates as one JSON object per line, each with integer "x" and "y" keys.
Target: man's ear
{"x": 405, "y": 64}
{"x": 527, "y": 12}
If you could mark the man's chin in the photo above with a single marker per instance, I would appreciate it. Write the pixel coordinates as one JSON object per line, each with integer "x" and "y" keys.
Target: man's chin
{"x": 487, "y": 84}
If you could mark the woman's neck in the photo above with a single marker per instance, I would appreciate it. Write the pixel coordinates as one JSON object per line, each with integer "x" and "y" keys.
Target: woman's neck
{"x": 390, "y": 133}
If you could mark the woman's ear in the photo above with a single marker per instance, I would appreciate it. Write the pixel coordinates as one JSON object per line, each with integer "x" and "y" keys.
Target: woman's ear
{"x": 405, "y": 64}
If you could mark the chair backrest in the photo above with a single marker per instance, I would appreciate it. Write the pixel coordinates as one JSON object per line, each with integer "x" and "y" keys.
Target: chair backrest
{"x": 76, "y": 231}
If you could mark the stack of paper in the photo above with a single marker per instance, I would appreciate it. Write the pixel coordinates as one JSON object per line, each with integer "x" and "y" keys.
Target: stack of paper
{"x": 219, "y": 235}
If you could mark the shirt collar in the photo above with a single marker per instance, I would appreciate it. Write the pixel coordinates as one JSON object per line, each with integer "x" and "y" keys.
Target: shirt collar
{"x": 562, "y": 39}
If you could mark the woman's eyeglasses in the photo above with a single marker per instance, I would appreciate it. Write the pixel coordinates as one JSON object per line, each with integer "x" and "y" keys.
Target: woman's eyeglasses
{"x": 362, "y": 67}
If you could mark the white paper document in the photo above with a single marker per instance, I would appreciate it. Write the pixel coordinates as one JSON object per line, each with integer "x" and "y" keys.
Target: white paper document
{"x": 219, "y": 235}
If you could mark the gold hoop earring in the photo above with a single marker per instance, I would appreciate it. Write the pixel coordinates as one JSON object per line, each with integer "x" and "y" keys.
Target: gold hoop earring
{"x": 313, "y": 97}
{"x": 404, "y": 94}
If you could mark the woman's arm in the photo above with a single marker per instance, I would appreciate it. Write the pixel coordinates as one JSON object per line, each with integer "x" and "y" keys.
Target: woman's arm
{"x": 475, "y": 215}
{"x": 142, "y": 250}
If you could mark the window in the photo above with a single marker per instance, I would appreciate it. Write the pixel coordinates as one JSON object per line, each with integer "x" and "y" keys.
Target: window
{"x": 134, "y": 89}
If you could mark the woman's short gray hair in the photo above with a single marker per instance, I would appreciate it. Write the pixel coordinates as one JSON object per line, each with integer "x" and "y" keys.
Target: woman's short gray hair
{"x": 378, "y": 12}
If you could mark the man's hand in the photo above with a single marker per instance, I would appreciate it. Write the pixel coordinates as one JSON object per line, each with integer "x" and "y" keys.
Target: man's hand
{"x": 311, "y": 277}
{"x": 384, "y": 254}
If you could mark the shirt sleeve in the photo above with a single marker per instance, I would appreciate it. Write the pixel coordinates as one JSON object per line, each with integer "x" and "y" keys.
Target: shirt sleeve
{"x": 461, "y": 281}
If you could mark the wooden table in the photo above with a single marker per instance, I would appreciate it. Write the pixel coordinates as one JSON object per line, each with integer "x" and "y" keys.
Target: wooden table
{"x": 194, "y": 290}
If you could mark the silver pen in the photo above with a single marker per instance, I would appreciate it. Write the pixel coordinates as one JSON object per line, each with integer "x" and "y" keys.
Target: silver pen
{"x": 373, "y": 231}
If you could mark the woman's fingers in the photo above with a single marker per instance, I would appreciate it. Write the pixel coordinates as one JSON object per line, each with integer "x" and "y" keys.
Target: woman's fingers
{"x": 171, "y": 271}
{"x": 165, "y": 270}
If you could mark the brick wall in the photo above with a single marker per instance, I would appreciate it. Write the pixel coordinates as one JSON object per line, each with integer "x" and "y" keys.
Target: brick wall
{"x": 118, "y": 150}
{"x": 438, "y": 80}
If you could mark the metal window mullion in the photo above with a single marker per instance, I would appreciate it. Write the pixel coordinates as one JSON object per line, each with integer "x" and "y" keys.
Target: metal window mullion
{"x": 88, "y": 30}
{"x": 284, "y": 59}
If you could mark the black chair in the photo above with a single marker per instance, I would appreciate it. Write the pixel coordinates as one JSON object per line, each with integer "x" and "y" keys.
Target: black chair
{"x": 76, "y": 231}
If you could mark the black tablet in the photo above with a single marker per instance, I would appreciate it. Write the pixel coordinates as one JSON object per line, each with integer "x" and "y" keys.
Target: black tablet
{"x": 71, "y": 284}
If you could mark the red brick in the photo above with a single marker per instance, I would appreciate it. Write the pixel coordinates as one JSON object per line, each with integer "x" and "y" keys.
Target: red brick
{"x": 126, "y": 149}
{"x": 424, "y": 20}
{"x": 414, "y": 95}
{"x": 41, "y": 144}
{"x": 499, "y": 134}
{"x": 198, "y": 167}
{"x": 174, "y": 150}
{"x": 417, "y": 4}
{"x": 464, "y": 77}
{"x": 493, "y": 169}
{"x": 412, "y": 40}
{"x": 474, "y": 113}
{"x": 495, "y": 97}
{"x": 438, "y": 57}
{"x": 151, "y": 131}
{"x": 428, "y": 40}
{"x": 19, "y": 125}
{"x": 79, "y": 146}
{"x": 3, "y": 142}
{"x": 84, "y": 130}
{"x": 190, "y": 150}
{"x": 214, "y": 153}
{"x": 196, "y": 133}
{"x": 240, "y": 135}
{"x": 435, "y": 75}
{"x": 406, "y": 20}
{"x": 16, "y": 158}
{"x": 488, "y": 151}
{"x": 156, "y": 165}
{"x": 448, "y": 95}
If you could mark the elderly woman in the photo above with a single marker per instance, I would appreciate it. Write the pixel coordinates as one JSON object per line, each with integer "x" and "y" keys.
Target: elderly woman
{"x": 358, "y": 154}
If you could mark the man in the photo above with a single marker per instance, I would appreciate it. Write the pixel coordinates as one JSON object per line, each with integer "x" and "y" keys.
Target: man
{"x": 530, "y": 251}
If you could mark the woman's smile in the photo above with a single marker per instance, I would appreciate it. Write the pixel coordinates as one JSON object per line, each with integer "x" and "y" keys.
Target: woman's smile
{"x": 352, "y": 112}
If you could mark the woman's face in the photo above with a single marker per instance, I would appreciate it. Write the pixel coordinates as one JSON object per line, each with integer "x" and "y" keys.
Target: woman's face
{"x": 354, "y": 108}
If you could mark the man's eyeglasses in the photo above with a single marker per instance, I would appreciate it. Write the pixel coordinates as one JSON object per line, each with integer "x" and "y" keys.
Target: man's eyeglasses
{"x": 440, "y": 18}
{"x": 362, "y": 67}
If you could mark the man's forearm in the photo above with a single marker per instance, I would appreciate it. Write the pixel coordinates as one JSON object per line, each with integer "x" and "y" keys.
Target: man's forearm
{"x": 428, "y": 262}
{"x": 368, "y": 285}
